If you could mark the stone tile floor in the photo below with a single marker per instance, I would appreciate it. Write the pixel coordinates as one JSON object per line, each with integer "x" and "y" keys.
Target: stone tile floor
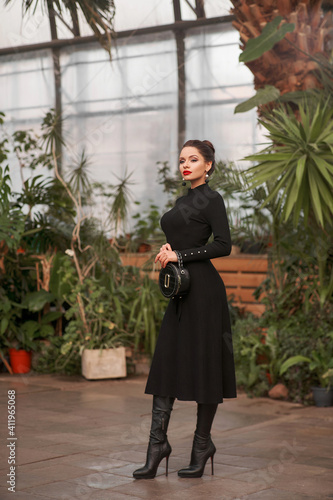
{"x": 79, "y": 439}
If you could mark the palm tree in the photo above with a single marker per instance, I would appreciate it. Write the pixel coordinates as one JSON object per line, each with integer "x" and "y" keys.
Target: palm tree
{"x": 292, "y": 63}
{"x": 99, "y": 15}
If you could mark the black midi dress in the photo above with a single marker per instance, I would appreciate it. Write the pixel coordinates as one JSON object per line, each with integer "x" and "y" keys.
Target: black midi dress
{"x": 193, "y": 358}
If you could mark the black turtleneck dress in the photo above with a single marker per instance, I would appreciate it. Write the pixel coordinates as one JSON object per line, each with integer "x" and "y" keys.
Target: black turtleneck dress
{"x": 193, "y": 358}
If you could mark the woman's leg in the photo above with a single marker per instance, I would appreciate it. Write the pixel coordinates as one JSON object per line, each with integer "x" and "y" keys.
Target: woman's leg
{"x": 205, "y": 417}
{"x": 158, "y": 446}
{"x": 203, "y": 447}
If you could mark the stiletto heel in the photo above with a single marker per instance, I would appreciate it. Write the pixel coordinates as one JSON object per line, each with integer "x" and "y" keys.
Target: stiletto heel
{"x": 167, "y": 465}
{"x": 212, "y": 462}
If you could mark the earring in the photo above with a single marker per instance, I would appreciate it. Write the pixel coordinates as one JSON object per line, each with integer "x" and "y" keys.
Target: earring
{"x": 207, "y": 180}
{"x": 183, "y": 183}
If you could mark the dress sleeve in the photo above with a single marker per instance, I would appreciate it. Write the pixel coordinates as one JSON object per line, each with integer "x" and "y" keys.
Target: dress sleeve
{"x": 221, "y": 246}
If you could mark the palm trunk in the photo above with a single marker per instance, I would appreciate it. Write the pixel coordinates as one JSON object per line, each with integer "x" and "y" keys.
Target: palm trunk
{"x": 292, "y": 63}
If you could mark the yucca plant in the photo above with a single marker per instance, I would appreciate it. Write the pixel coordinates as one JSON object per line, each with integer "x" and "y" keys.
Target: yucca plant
{"x": 299, "y": 163}
{"x": 297, "y": 171}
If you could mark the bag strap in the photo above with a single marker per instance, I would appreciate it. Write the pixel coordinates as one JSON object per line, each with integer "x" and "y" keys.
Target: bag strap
{"x": 180, "y": 259}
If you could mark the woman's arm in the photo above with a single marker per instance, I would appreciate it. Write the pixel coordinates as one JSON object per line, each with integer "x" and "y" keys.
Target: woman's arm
{"x": 221, "y": 246}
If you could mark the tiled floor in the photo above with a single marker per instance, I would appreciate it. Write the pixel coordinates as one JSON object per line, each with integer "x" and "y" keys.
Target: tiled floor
{"x": 82, "y": 440}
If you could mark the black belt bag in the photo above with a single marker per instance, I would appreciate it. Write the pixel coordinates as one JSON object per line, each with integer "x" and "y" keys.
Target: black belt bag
{"x": 174, "y": 281}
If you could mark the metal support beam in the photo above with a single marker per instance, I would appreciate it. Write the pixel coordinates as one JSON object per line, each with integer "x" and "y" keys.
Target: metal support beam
{"x": 179, "y": 28}
{"x": 191, "y": 6}
{"x": 57, "y": 82}
{"x": 200, "y": 8}
{"x": 176, "y": 10}
{"x": 82, "y": 40}
{"x": 180, "y": 43}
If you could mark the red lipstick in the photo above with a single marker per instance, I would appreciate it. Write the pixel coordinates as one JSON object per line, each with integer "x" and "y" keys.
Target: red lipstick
{"x": 187, "y": 172}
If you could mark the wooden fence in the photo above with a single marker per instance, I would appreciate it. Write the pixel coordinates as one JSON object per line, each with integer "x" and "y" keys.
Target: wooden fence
{"x": 241, "y": 273}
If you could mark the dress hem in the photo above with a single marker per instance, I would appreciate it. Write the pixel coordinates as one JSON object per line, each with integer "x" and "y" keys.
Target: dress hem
{"x": 220, "y": 401}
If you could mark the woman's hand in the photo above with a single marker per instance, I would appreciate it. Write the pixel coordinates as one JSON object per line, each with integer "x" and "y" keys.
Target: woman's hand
{"x": 167, "y": 246}
{"x": 166, "y": 255}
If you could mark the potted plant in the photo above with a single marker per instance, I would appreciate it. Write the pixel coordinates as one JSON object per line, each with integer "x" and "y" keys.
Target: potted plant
{"x": 22, "y": 339}
{"x": 95, "y": 330}
{"x": 21, "y": 331}
{"x": 17, "y": 340}
{"x": 321, "y": 364}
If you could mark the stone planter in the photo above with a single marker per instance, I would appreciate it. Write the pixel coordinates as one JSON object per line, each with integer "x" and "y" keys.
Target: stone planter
{"x": 104, "y": 363}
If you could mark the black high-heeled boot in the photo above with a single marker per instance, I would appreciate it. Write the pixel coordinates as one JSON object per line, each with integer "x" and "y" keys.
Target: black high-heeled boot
{"x": 159, "y": 446}
{"x": 203, "y": 448}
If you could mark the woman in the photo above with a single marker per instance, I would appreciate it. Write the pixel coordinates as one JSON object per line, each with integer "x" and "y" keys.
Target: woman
{"x": 193, "y": 359}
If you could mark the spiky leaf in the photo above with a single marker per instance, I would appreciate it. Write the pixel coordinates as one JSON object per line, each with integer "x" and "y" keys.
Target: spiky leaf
{"x": 263, "y": 96}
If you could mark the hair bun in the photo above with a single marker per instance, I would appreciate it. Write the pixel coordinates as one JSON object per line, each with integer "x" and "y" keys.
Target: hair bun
{"x": 209, "y": 144}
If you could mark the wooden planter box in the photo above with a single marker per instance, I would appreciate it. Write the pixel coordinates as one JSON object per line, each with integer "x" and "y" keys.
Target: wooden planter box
{"x": 241, "y": 273}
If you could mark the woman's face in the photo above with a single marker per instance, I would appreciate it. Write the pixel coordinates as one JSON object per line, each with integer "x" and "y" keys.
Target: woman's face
{"x": 192, "y": 166}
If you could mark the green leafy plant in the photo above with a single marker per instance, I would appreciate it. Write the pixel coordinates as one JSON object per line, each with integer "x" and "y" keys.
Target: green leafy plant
{"x": 17, "y": 326}
{"x": 293, "y": 311}
{"x": 320, "y": 362}
{"x": 263, "y": 96}
{"x": 118, "y": 197}
{"x": 29, "y": 333}
{"x": 296, "y": 350}
{"x": 96, "y": 313}
{"x": 89, "y": 282}
{"x": 259, "y": 354}
{"x": 147, "y": 227}
{"x": 39, "y": 214}
{"x": 12, "y": 219}
{"x": 31, "y": 220}
{"x": 297, "y": 171}
{"x": 271, "y": 34}
{"x": 146, "y": 315}
{"x": 248, "y": 348}
{"x": 10, "y": 312}
{"x": 298, "y": 163}
{"x": 103, "y": 332}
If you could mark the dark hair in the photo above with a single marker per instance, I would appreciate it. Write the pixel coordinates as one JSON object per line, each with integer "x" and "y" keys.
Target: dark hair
{"x": 207, "y": 150}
